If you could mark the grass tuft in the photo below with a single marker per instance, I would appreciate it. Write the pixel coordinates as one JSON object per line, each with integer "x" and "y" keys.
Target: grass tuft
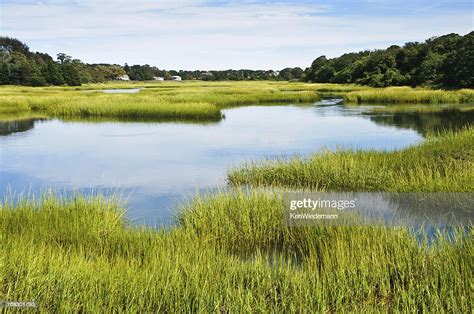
{"x": 398, "y": 95}
{"x": 441, "y": 163}
{"x": 230, "y": 253}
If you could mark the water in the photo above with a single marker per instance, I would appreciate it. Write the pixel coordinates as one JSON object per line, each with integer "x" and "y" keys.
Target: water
{"x": 122, "y": 91}
{"x": 157, "y": 164}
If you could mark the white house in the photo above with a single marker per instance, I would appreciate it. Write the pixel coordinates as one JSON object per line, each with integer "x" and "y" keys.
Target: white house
{"x": 176, "y": 78}
{"x": 123, "y": 78}
{"x": 158, "y": 78}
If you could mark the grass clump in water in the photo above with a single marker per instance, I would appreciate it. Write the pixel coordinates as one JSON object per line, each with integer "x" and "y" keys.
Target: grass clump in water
{"x": 397, "y": 95}
{"x": 441, "y": 163}
{"x": 230, "y": 253}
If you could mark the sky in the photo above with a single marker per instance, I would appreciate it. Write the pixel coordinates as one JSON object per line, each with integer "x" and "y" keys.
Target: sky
{"x": 218, "y": 34}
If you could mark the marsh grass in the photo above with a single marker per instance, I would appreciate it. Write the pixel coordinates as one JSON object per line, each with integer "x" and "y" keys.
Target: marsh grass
{"x": 20, "y": 116}
{"x": 397, "y": 95}
{"x": 190, "y": 100}
{"x": 200, "y": 100}
{"x": 440, "y": 163}
{"x": 231, "y": 252}
{"x": 422, "y": 108}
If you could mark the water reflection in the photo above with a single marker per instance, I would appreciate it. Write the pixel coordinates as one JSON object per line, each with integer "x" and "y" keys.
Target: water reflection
{"x": 10, "y": 127}
{"x": 427, "y": 122}
{"x": 122, "y": 91}
{"x": 159, "y": 164}
{"x": 422, "y": 122}
{"x": 419, "y": 209}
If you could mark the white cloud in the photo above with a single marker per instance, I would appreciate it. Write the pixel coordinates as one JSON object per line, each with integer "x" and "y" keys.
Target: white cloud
{"x": 189, "y": 34}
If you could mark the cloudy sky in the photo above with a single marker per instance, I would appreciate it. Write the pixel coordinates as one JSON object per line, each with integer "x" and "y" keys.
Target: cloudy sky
{"x": 218, "y": 34}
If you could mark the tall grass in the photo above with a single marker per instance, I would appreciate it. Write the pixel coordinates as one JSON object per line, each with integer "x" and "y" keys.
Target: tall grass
{"x": 396, "y": 95}
{"x": 193, "y": 100}
{"x": 199, "y": 100}
{"x": 441, "y": 163}
{"x": 230, "y": 253}
{"x": 423, "y": 108}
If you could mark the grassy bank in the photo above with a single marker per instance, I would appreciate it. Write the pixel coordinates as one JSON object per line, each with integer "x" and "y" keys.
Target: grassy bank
{"x": 184, "y": 100}
{"x": 230, "y": 253}
{"x": 422, "y": 108}
{"x": 197, "y": 100}
{"x": 408, "y": 95}
{"x": 441, "y": 163}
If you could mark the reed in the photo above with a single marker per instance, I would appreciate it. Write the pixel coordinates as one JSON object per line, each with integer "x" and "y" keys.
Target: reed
{"x": 201, "y": 100}
{"x": 441, "y": 163}
{"x": 193, "y": 100}
{"x": 230, "y": 253}
{"x": 398, "y": 95}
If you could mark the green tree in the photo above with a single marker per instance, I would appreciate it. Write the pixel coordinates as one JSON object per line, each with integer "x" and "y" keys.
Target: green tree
{"x": 52, "y": 73}
{"x": 63, "y": 58}
{"x": 71, "y": 74}
{"x": 430, "y": 68}
{"x": 458, "y": 66}
{"x": 19, "y": 69}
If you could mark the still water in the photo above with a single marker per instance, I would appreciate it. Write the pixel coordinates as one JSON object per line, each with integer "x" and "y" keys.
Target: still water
{"x": 159, "y": 164}
{"x": 122, "y": 91}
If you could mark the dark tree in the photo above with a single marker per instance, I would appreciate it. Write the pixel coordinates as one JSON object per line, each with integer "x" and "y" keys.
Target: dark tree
{"x": 446, "y": 61}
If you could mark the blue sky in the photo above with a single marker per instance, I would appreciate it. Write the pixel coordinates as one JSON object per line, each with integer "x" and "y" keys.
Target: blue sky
{"x": 218, "y": 34}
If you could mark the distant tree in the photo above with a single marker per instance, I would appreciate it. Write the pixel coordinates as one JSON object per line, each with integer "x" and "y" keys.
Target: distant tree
{"x": 52, "y": 73}
{"x": 446, "y": 61}
{"x": 19, "y": 69}
{"x": 458, "y": 66}
{"x": 430, "y": 68}
{"x": 14, "y": 45}
{"x": 324, "y": 74}
{"x": 297, "y": 73}
{"x": 38, "y": 80}
{"x": 4, "y": 68}
{"x": 315, "y": 67}
{"x": 71, "y": 74}
{"x": 286, "y": 74}
{"x": 107, "y": 72}
{"x": 343, "y": 76}
{"x": 63, "y": 58}
{"x": 141, "y": 72}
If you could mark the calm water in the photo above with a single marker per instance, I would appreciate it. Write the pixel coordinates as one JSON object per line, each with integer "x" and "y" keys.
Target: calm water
{"x": 122, "y": 91}
{"x": 158, "y": 164}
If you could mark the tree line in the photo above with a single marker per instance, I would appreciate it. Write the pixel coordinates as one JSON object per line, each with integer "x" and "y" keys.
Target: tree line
{"x": 147, "y": 72}
{"x": 20, "y": 66}
{"x": 445, "y": 62}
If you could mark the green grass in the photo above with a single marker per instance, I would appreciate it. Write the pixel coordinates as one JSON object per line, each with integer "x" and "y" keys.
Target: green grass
{"x": 196, "y": 100}
{"x": 397, "y": 95}
{"x": 230, "y": 253}
{"x": 424, "y": 119}
{"x": 185, "y": 100}
{"x": 422, "y": 108}
{"x": 441, "y": 163}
